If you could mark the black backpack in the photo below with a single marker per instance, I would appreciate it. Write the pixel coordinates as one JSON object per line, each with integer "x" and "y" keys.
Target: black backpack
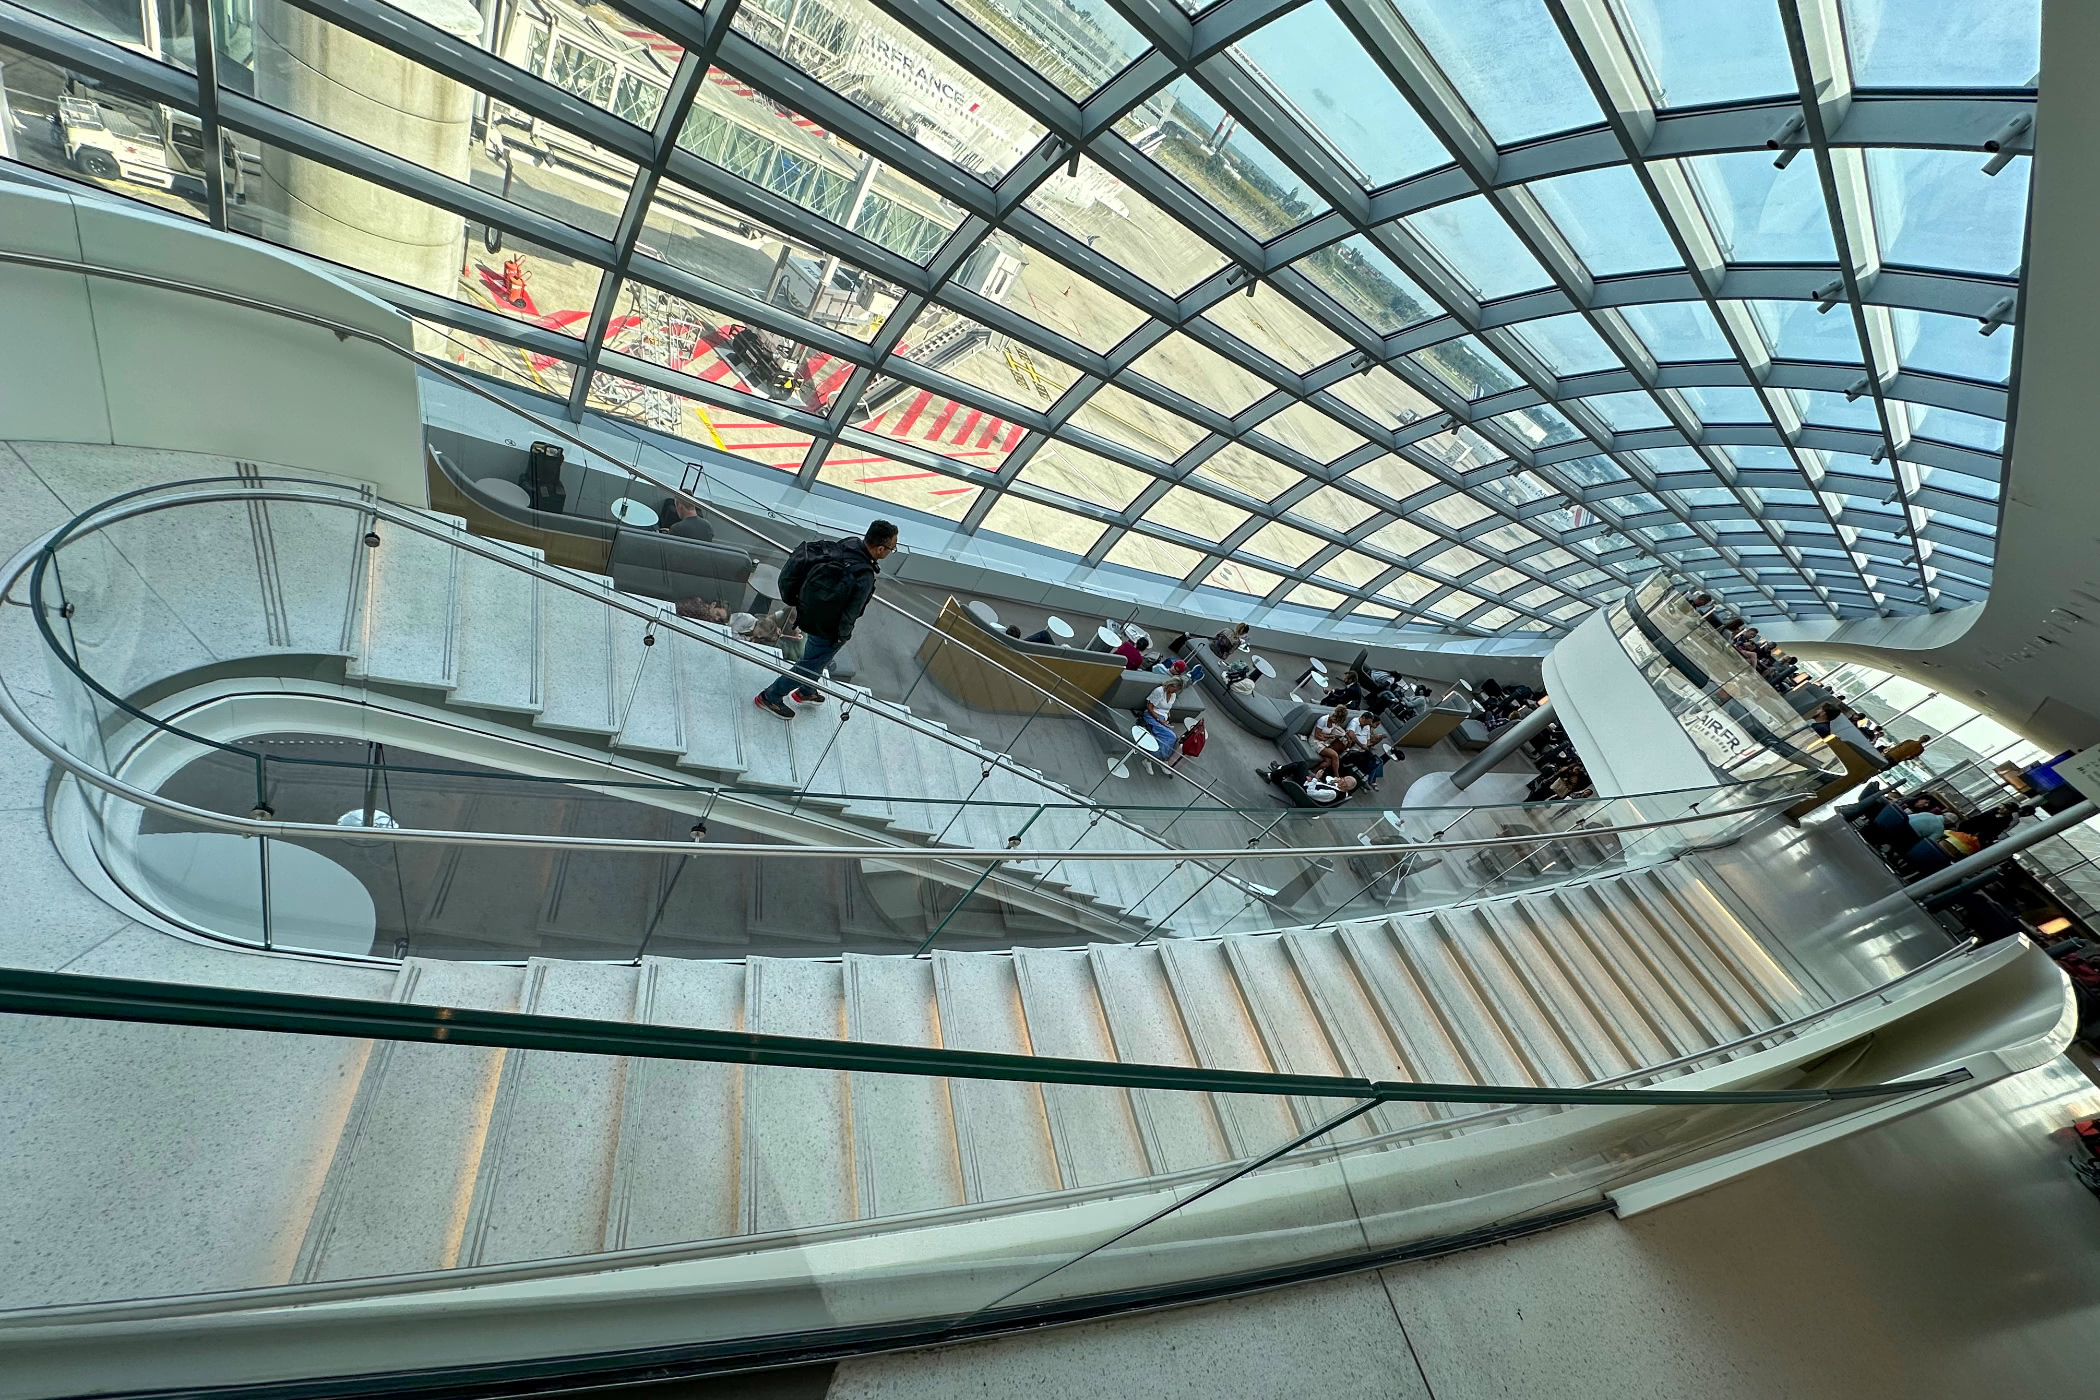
{"x": 795, "y": 572}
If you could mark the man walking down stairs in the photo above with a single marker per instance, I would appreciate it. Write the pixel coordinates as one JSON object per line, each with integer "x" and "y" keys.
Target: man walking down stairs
{"x": 829, "y": 583}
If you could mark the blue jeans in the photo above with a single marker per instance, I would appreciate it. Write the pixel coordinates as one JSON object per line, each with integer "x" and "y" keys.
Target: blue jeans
{"x": 816, "y": 655}
{"x": 1161, "y": 734}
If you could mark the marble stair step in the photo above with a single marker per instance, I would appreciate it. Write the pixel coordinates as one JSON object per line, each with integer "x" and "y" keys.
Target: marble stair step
{"x": 904, "y": 1146}
{"x": 407, "y": 630}
{"x": 576, "y": 646}
{"x": 797, "y": 1164}
{"x": 545, "y": 1180}
{"x": 409, "y": 1148}
{"x": 1094, "y": 1127}
{"x": 648, "y": 688}
{"x": 499, "y": 632}
{"x": 676, "y": 1168}
{"x": 1002, "y": 1130}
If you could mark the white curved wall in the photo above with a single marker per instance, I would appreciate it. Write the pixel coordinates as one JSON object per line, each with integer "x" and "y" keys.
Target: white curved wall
{"x": 86, "y": 359}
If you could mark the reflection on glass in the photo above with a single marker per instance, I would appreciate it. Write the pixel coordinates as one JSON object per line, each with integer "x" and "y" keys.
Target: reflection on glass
{"x": 1283, "y": 545}
{"x": 779, "y": 150}
{"x": 1138, "y": 424}
{"x": 1190, "y": 367}
{"x": 1961, "y": 429}
{"x": 1059, "y": 300}
{"x": 1136, "y": 551}
{"x": 1368, "y": 285}
{"x": 1315, "y": 66}
{"x": 1193, "y": 513}
{"x": 1278, "y": 327}
{"x": 1187, "y": 134}
{"x": 1394, "y": 477}
{"x": 1796, "y": 330}
{"x": 1249, "y": 472}
{"x": 1303, "y": 428}
{"x": 1468, "y": 366}
{"x": 1336, "y": 509}
{"x": 1043, "y": 525}
{"x": 1235, "y": 577}
{"x": 1352, "y": 570}
{"x": 1383, "y": 397}
{"x": 1078, "y": 48}
{"x": 315, "y": 208}
{"x": 898, "y": 77}
{"x": 1071, "y": 471}
{"x": 1125, "y": 227}
{"x": 956, "y": 346}
{"x": 851, "y": 467}
{"x": 106, "y": 137}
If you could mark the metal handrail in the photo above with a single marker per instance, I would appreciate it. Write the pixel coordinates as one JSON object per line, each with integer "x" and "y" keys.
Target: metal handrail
{"x": 81, "y": 996}
{"x": 32, "y": 556}
{"x": 345, "y": 330}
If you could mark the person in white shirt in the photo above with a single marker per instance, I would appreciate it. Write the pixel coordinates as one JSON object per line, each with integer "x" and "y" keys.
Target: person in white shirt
{"x": 1158, "y": 705}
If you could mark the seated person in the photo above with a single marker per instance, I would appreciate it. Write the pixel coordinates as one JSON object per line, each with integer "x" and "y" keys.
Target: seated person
{"x": 1158, "y": 705}
{"x": 1133, "y": 658}
{"x": 1013, "y": 632}
{"x": 1349, "y": 692}
{"x": 700, "y": 609}
{"x": 1367, "y": 765}
{"x": 1321, "y": 792}
{"x": 686, "y": 522}
{"x": 777, "y": 628}
{"x": 1042, "y": 636}
{"x": 1229, "y": 641}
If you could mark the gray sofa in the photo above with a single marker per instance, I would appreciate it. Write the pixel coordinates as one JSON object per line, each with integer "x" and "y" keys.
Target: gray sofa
{"x": 1263, "y": 716}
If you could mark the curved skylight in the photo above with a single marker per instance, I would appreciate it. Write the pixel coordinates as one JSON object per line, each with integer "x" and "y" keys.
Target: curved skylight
{"x": 1450, "y": 316}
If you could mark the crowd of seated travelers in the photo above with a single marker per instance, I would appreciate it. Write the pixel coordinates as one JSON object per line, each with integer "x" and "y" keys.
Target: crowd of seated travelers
{"x": 1920, "y": 835}
{"x": 1837, "y": 720}
{"x": 1351, "y": 751}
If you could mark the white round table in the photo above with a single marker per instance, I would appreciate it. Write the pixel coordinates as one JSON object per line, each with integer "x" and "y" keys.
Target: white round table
{"x": 1263, "y": 669}
{"x": 1107, "y": 638}
{"x": 504, "y": 492}
{"x": 628, "y": 511}
{"x": 1058, "y": 628}
{"x": 985, "y": 613}
{"x": 1315, "y": 670}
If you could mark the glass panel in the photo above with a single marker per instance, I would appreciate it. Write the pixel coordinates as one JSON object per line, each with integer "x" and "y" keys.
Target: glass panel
{"x": 622, "y": 68}
{"x": 853, "y": 468}
{"x": 1796, "y": 330}
{"x": 1725, "y": 405}
{"x": 1462, "y": 450}
{"x": 1697, "y": 54}
{"x": 1394, "y": 477}
{"x": 1626, "y": 413}
{"x": 1055, "y": 297}
{"x": 314, "y": 208}
{"x": 1477, "y": 244}
{"x": 1404, "y": 539}
{"x": 1236, "y": 577}
{"x": 1383, "y": 397}
{"x": 1305, "y": 429}
{"x": 1078, "y": 49}
{"x": 1539, "y": 427}
{"x": 1939, "y": 344}
{"x": 1468, "y": 366}
{"x": 1963, "y": 429}
{"x": 1938, "y": 209}
{"x": 1138, "y": 424}
{"x": 898, "y": 77}
{"x": 760, "y": 141}
{"x": 1337, "y": 510}
{"x": 1944, "y": 43}
{"x": 697, "y": 235}
{"x": 1278, "y": 327}
{"x": 1193, "y": 513}
{"x": 1035, "y": 524}
{"x": 1248, "y": 472}
{"x": 1454, "y": 560}
{"x": 1567, "y": 344}
{"x": 1456, "y": 511}
{"x": 107, "y": 137}
{"x": 1368, "y": 285}
{"x": 1223, "y": 164}
{"x": 1608, "y": 220}
{"x": 1071, "y": 471}
{"x": 1317, "y": 67}
{"x": 1677, "y": 330}
{"x": 1190, "y": 367}
{"x": 1283, "y": 545}
{"x": 1354, "y": 570}
{"x": 1821, "y": 406}
{"x": 1126, "y": 228}
{"x": 961, "y": 348}
{"x": 1761, "y": 213}
{"x": 1507, "y": 60}
{"x": 1325, "y": 599}
{"x": 1153, "y": 556}
{"x": 542, "y": 374}
{"x": 163, "y": 30}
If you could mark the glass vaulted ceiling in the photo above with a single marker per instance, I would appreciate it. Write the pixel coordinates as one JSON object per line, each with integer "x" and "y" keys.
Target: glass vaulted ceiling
{"x": 1452, "y": 315}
